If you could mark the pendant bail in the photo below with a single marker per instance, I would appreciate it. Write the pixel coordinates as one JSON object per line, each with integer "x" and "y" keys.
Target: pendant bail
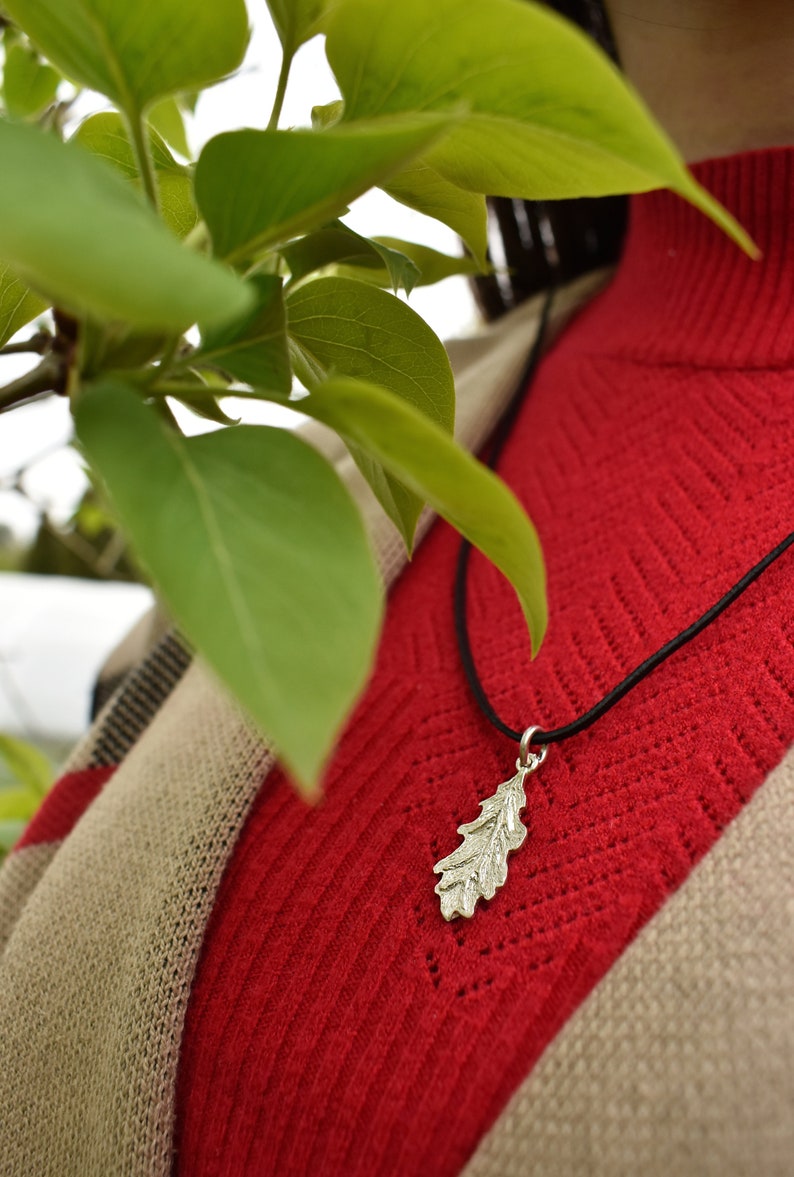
{"x": 527, "y": 759}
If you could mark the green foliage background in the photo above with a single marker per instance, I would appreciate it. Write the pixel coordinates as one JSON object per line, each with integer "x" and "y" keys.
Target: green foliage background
{"x": 249, "y": 537}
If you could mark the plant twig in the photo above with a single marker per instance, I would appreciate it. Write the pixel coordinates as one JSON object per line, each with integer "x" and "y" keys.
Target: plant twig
{"x": 47, "y": 378}
{"x": 139, "y": 137}
{"x": 76, "y": 544}
{"x": 169, "y": 354}
{"x": 281, "y": 89}
{"x": 39, "y": 343}
{"x": 112, "y": 553}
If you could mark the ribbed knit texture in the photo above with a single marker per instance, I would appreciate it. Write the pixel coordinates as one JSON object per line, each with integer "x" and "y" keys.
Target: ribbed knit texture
{"x": 337, "y": 1025}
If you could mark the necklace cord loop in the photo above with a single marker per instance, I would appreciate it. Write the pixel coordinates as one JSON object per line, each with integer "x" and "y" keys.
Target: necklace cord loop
{"x": 534, "y": 735}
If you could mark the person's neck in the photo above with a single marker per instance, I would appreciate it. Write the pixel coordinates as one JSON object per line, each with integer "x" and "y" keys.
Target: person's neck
{"x": 717, "y": 74}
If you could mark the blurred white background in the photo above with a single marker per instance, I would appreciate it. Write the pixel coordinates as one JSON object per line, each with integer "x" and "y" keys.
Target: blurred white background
{"x": 55, "y": 632}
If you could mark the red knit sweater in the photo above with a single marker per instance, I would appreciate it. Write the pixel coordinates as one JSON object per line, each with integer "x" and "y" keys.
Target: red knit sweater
{"x": 337, "y": 1024}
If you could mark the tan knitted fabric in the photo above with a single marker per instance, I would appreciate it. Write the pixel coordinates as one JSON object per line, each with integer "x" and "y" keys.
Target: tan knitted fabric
{"x": 21, "y": 873}
{"x": 95, "y": 975}
{"x": 705, "y": 994}
{"x": 103, "y": 933}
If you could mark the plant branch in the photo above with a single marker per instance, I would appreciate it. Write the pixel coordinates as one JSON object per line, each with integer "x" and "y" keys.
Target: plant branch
{"x": 281, "y": 89}
{"x": 108, "y": 561}
{"x": 169, "y": 355}
{"x": 48, "y": 377}
{"x": 143, "y": 157}
{"x": 39, "y": 343}
{"x": 77, "y": 545}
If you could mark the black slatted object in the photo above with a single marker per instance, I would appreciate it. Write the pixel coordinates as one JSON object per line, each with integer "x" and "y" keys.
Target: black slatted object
{"x": 587, "y": 232}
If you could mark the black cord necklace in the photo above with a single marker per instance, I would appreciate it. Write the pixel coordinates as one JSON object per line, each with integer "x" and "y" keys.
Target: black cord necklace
{"x": 478, "y": 867}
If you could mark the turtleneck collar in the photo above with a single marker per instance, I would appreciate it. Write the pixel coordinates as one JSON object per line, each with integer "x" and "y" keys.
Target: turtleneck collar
{"x": 684, "y": 293}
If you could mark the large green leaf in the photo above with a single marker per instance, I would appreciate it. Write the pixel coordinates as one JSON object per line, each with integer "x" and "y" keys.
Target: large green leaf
{"x": 81, "y": 235}
{"x": 258, "y": 188}
{"x": 347, "y": 328}
{"x": 105, "y": 135}
{"x": 549, "y": 115}
{"x": 254, "y": 348}
{"x": 296, "y": 21}
{"x": 18, "y": 305}
{"x": 260, "y": 554}
{"x": 457, "y": 486}
{"x": 28, "y": 84}
{"x": 422, "y": 188}
{"x": 137, "y": 53}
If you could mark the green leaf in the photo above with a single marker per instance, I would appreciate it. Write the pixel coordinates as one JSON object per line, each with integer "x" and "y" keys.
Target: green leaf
{"x": 18, "y": 305}
{"x": 255, "y": 189}
{"x": 29, "y": 85}
{"x": 254, "y": 348}
{"x": 204, "y": 402}
{"x": 137, "y": 53}
{"x": 199, "y": 389}
{"x": 105, "y": 135}
{"x": 296, "y": 21}
{"x": 351, "y": 329}
{"x": 335, "y": 244}
{"x": 463, "y": 491}
{"x": 429, "y": 265}
{"x": 327, "y": 115}
{"x": 402, "y": 270}
{"x": 176, "y": 202}
{"x": 548, "y": 115}
{"x": 80, "y": 234}
{"x": 167, "y": 119}
{"x": 422, "y": 188}
{"x": 28, "y": 767}
{"x": 260, "y": 555}
{"x": 348, "y": 328}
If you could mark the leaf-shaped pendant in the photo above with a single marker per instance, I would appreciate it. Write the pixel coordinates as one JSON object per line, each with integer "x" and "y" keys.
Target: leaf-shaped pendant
{"x": 479, "y": 865}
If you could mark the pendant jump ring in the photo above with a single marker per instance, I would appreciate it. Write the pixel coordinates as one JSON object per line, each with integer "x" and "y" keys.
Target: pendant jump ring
{"x": 527, "y": 758}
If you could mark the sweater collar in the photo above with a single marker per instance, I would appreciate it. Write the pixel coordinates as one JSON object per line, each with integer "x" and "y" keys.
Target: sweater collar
{"x": 684, "y": 293}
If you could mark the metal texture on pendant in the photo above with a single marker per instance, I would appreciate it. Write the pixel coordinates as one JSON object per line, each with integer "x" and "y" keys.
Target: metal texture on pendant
{"x": 478, "y": 867}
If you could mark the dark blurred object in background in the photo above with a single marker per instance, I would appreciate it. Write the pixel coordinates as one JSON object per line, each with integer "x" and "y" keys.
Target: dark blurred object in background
{"x": 533, "y": 241}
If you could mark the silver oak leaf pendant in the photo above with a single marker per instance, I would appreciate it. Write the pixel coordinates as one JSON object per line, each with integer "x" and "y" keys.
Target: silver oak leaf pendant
{"x": 478, "y": 867}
